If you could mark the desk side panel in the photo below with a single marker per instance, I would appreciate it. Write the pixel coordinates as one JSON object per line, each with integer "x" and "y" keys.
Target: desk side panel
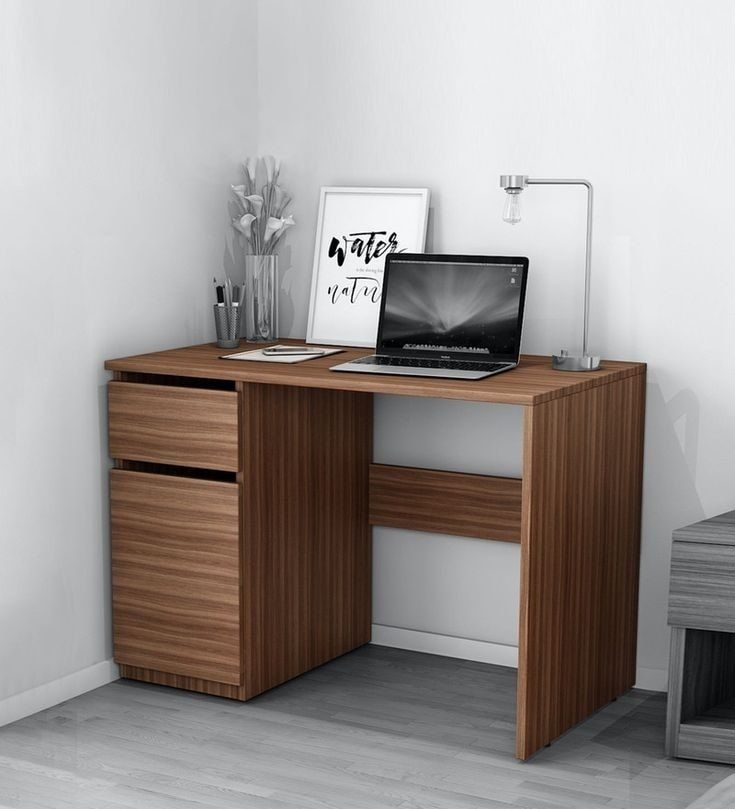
{"x": 580, "y": 547}
{"x": 307, "y": 555}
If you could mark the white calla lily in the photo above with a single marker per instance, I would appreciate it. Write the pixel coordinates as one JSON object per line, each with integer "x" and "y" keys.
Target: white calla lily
{"x": 244, "y": 223}
{"x": 260, "y": 216}
{"x": 277, "y": 226}
{"x": 256, "y": 201}
{"x": 272, "y": 227}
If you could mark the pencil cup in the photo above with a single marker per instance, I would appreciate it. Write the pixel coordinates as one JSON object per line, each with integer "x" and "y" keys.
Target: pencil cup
{"x": 227, "y": 324}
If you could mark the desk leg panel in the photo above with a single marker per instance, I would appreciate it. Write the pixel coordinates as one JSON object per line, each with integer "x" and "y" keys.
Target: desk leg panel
{"x": 580, "y": 548}
{"x": 307, "y": 556}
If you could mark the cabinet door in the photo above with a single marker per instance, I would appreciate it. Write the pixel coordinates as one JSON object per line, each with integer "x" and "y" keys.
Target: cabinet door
{"x": 176, "y": 575}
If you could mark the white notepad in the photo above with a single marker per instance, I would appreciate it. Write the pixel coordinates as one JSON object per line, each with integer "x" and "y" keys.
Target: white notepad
{"x": 259, "y": 356}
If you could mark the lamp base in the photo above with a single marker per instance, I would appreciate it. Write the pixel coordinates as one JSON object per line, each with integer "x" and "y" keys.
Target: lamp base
{"x": 564, "y": 361}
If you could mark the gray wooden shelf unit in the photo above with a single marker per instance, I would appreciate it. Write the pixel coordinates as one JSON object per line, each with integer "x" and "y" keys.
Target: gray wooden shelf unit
{"x": 700, "y": 722}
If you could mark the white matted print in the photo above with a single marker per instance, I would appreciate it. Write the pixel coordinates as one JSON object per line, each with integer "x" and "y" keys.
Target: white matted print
{"x": 357, "y": 228}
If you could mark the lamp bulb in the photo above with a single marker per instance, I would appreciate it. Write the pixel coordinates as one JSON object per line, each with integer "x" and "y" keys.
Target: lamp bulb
{"x": 512, "y": 209}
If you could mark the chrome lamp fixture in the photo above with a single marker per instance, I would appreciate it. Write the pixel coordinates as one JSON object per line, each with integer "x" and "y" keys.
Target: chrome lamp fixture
{"x": 513, "y": 185}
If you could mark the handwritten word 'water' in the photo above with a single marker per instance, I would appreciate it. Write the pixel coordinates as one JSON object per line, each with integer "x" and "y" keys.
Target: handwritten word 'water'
{"x": 358, "y": 245}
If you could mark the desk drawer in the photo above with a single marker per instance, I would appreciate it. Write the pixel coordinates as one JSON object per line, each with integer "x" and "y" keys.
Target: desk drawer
{"x": 176, "y": 574}
{"x": 702, "y": 590}
{"x": 174, "y": 425}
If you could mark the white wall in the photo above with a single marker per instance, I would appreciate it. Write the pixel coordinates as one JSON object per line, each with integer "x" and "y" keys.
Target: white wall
{"x": 122, "y": 125}
{"x": 447, "y": 586}
{"x": 635, "y": 96}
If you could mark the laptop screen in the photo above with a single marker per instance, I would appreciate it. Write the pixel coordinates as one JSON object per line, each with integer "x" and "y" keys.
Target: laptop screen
{"x": 463, "y": 307}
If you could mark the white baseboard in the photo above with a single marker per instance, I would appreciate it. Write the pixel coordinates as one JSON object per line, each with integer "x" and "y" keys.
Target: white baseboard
{"x": 445, "y": 645}
{"x": 50, "y": 694}
{"x": 482, "y": 651}
{"x": 652, "y": 679}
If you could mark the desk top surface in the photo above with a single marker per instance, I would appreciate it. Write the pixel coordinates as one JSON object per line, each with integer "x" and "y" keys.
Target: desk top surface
{"x": 533, "y": 382}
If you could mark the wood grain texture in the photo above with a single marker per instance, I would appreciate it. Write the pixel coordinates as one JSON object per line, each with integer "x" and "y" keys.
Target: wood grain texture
{"x": 210, "y": 687}
{"x": 700, "y": 721}
{"x": 675, "y": 690}
{"x": 709, "y": 672}
{"x": 445, "y": 502}
{"x": 702, "y": 585}
{"x": 305, "y": 443}
{"x": 173, "y": 425}
{"x": 306, "y": 538}
{"x": 580, "y": 540}
{"x": 719, "y": 530}
{"x": 533, "y": 382}
{"x": 705, "y": 743}
{"x": 175, "y": 575}
{"x": 721, "y": 715}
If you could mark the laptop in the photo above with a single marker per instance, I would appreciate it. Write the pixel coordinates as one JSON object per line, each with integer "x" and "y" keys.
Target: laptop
{"x": 458, "y": 317}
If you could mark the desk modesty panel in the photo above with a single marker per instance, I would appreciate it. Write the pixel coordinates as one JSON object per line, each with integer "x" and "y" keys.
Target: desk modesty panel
{"x": 276, "y": 461}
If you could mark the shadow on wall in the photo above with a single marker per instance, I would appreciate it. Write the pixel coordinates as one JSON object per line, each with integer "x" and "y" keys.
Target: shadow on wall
{"x": 670, "y": 500}
{"x": 287, "y": 291}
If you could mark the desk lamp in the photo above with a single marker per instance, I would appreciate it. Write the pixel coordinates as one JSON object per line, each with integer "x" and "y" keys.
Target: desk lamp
{"x": 513, "y": 185}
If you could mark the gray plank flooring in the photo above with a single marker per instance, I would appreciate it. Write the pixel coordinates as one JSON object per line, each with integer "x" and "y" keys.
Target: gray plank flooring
{"x": 377, "y": 728}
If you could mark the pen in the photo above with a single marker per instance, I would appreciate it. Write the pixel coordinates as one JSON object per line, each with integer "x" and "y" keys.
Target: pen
{"x": 293, "y": 351}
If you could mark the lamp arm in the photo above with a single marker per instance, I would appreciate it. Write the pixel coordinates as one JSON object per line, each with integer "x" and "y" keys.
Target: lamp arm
{"x": 588, "y": 249}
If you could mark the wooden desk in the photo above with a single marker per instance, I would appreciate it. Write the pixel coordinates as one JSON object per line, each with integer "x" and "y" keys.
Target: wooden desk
{"x": 242, "y": 499}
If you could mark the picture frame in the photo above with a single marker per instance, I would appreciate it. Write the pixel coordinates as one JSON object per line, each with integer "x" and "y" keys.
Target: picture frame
{"x": 356, "y": 229}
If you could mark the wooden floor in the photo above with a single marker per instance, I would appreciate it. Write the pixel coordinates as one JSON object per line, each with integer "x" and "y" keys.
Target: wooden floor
{"x": 376, "y": 728}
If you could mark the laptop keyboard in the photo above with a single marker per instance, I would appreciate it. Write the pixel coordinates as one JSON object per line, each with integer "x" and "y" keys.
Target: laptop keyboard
{"x": 414, "y": 362}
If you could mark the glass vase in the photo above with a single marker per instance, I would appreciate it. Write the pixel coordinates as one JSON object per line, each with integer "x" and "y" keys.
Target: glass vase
{"x": 261, "y": 298}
